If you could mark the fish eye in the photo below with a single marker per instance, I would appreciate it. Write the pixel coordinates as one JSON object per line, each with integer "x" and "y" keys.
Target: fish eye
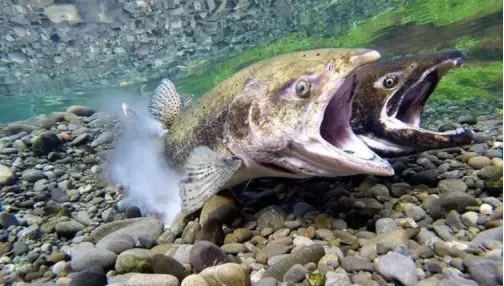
{"x": 302, "y": 88}
{"x": 390, "y": 81}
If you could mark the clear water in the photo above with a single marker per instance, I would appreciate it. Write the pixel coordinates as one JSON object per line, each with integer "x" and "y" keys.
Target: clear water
{"x": 58, "y": 53}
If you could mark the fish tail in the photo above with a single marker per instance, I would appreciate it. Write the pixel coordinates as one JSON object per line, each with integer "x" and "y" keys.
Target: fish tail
{"x": 165, "y": 103}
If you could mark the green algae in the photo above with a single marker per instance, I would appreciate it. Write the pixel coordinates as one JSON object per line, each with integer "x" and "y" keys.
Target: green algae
{"x": 417, "y": 12}
{"x": 479, "y": 80}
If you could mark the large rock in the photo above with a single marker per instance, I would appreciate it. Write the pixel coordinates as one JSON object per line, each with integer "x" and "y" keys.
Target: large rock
{"x": 85, "y": 255}
{"x": 150, "y": 227}
{"x": 6, "y": 176}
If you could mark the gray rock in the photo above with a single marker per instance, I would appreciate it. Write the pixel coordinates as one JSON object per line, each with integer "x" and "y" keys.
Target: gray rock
{"x": 20, "y": 248}
{"x": 164, "y": 264}
{"x": 270, "y": 281}
{"x": 82, "y": 217}
{"x": 85, "y": 255}
{"x": 426, "y": 177}
{"x": 205, "y": 254}
{"x": 493, "y": 234}
{"x": 133, "y": 212}
{"x": 138, "y": 279}
{"x": 493, "y": 153}
{"x": 68, "y": 228}
{"x": 8, "y": 219}
{"x": 120, "y": 243}
{"x": 132, "y": 227}
{"x": 301, "y": 208}
{"x": 90, "y": 276}
{"x": 450, "y": 185}
{"x": 338, "y": 277}
{"x": 453, "y": 200}
{"x": 32, "y": 175}
{"x": 453, "y": 277}
{"x": 295, "y": 274}
{"x": 80, "y": 110}
{"x": 413, "y": 211}
{"x": 395, "y": 266}
{"x": 271, "y": 216}
{"x": 384, "y": 225}
{"x": 104, "y": 138}
{"x": 311, "y": 253}
{"x": 356, "y": 264}
{"x": 487, "y": 271}
{"x": 467, "y": 119}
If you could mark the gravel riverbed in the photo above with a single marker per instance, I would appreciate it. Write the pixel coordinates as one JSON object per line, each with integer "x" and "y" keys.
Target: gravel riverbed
{"x": 438, "y": 221}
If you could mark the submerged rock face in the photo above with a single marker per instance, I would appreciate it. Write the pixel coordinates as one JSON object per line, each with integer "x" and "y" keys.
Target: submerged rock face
{"x": 60, "y": 222}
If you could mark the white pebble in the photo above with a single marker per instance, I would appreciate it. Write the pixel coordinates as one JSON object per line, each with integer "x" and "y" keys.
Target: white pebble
{"x": 470, "y": 218}
{"x": 302, "y": 241}
{"x": 59, "y": 267}
{"x": 486, "y": 209}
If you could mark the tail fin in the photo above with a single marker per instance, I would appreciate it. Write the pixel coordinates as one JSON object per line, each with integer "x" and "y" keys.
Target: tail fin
{"x": 165, "y": 103}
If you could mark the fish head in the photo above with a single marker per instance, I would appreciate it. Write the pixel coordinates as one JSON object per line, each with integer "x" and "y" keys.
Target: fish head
{"x": 298, "y": 118}
{"x": 390, "y": 101}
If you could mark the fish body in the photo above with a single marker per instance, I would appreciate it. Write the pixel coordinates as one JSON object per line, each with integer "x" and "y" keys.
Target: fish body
{"x": 390, "y": 100}
{"x": 287, "y": 116}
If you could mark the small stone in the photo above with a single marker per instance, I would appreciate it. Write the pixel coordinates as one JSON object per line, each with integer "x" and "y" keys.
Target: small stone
{"x": 467, "y": 119}
{"x": 132, "y": 212}
{"x": 120, "y": 243}
{"x": 453, "y": 200}
{"x": 20, "y": 248}
{"x": 486, "y": 209}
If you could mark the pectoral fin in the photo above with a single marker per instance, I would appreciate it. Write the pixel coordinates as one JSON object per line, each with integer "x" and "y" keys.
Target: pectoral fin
{"x": 165, "y": 103}
{"x": 205, "y": 174}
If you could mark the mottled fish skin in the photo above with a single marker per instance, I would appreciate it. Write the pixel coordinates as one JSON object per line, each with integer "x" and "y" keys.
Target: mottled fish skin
{"x": 387, "y": 107}
{"x": 255, "y": 103}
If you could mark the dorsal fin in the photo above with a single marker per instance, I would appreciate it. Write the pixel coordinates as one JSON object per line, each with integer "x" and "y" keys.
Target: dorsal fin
{"x": 165, "y": 103}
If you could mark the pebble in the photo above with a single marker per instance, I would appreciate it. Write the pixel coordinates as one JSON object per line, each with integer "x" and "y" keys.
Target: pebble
{"x": 479, "y": 162}
{"x": 399, "y": 267}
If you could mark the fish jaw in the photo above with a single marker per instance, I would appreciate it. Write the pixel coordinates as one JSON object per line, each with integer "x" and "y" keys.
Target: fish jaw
{"x": 320, "y": 142}
{"x": 393, "y": 128}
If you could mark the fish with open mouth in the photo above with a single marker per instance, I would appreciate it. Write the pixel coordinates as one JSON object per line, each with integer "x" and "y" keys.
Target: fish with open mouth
{"x": 287, "y": 116}
{"x": 390, "y": 100}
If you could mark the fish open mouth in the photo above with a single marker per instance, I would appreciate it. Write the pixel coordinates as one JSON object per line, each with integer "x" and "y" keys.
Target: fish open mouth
{"x": 335, "y": 127}
{"x": 401, "y": 116}
{"x": 412, "y": 99}
{"x": 339, "y": 140}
